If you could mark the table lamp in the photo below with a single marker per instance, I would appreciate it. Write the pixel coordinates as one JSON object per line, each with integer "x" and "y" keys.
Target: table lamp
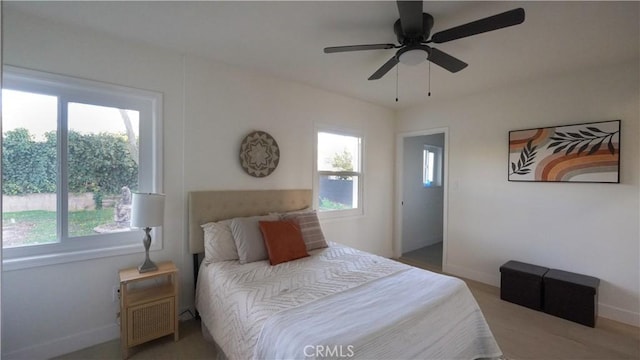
{"x": 147, "y": 211}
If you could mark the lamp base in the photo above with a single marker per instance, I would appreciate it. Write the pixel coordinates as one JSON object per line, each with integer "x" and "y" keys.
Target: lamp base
{"x": 147, "y": 266}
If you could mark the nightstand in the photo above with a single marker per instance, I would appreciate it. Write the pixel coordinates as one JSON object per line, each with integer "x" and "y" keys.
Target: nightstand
{"x": 148, "y": 305}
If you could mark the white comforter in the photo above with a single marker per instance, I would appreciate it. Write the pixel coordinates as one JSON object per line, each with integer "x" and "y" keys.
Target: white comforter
{"x": 340, "y": 302}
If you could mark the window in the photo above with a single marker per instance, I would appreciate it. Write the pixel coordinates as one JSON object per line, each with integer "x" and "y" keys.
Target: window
{"x": 339, "y": 172}
{"x": 73, "y": 151}
{"x": 431, "y": 166}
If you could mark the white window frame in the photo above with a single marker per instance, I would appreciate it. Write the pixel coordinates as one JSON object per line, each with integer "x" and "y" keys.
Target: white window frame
{"x": 70, "y": 89}
{"x": 435, "y": 169}
{"x": 357, "y": 211}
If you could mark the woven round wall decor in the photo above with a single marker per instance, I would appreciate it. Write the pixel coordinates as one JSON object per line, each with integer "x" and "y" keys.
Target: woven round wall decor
{"x": 259, "y": 154}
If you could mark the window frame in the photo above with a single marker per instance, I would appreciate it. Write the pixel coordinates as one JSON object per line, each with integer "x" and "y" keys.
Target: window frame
{"x": 75, "y": 90}
{"x": 357, "y": 211}
{"x": 436, "y": 169}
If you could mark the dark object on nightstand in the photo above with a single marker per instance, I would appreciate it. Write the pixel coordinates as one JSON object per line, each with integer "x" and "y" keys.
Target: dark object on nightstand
{"x": 521, "y": 283}
{"x": 571, "y": 296}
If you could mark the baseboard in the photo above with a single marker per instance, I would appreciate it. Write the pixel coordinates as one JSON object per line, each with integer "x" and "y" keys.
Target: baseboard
{"x": 66, "y": 344}
{"x": 187, "y": 313}
{"x": 604, "y": 310}
{"x": 493, "y": 280}
{"x": 78, "y": 341}
{"x": 619, "y": 315}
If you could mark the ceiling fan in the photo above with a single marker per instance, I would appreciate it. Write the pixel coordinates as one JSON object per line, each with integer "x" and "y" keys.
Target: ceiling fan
{"x": 412, "y": 30}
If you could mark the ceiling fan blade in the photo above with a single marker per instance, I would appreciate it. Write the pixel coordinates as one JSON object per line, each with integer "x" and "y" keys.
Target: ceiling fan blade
{"x": 384, "y": 68}
{"x": 495, "y": 22}
{"x": 445, "y": 60}
{"x": 410, "y": 17}
{"x": 335, "y": 49}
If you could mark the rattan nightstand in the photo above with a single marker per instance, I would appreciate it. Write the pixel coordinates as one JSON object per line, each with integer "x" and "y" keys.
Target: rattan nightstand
{"x": 148, "y": 305}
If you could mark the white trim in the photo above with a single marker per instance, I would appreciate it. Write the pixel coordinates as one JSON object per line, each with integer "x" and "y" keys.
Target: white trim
{"x": 618, "y": 314}
{"x": 436, "y": 167}
{"x": 71, "y": 343}
{"x": 397, "y": 238}
{"x": 66, "y": 344}
{"x": 71, "y": 90}
{"x": 25, "y": 262}
{"x": 463, "y": 272}
{"x": 338, "y": 130}
{"x": 1, "y": 267}
{"x": 47, "y": 80}
{"x": 605, "y": 311}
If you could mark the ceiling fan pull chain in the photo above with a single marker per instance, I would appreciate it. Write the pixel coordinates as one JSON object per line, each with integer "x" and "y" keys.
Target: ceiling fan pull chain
{"x": 396, "y": 82}
{"x": 429, "y": 93}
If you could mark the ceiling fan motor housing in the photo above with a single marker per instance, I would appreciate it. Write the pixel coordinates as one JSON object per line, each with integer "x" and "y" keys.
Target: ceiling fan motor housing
{"x": 407, "y": 39}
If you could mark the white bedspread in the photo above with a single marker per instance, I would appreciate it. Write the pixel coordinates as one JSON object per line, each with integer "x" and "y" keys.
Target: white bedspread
{"x": 340, "y": 302}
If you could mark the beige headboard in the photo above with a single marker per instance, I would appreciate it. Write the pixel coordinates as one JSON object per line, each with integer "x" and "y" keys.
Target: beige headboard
{"x": 207, "y": 206}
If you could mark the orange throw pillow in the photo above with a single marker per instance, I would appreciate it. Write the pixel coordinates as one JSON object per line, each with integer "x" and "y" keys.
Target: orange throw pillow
{"x": 283, "y": 241}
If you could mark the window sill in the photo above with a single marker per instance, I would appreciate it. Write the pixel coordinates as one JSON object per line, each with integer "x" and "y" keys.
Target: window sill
{"x": 27, "y": 262}
{"x": 340, "y": 214}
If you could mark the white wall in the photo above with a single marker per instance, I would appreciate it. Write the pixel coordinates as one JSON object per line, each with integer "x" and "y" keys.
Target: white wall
{"x": 223, "y": 104}
{"x": 56, "y": 309}
{"x": 208, "y": 108}
{"x": 584, "y": 228}
{"x": 422, "y": 210}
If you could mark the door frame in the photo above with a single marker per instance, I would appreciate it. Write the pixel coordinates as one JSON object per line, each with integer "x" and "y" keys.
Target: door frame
{"x": 400, "y": 137}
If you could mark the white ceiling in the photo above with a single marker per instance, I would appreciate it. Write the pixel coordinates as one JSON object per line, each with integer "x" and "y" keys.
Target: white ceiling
{"x": 285, "y": 39}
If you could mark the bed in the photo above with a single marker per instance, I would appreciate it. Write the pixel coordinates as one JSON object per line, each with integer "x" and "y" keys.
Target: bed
{"x": 338, "y": 302}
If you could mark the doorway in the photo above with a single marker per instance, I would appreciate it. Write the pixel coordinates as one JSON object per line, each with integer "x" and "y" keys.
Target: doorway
{"x": 421, "y": 212}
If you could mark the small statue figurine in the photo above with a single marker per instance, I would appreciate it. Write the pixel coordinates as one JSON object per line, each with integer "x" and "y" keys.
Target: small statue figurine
{"x": 122, "y": 213}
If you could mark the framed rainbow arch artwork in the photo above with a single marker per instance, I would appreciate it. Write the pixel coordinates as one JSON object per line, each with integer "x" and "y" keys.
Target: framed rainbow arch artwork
{"x": 584, "y": 153}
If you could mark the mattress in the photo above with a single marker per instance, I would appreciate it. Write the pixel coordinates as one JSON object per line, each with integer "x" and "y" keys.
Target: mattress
{"x": 340, "y": 302}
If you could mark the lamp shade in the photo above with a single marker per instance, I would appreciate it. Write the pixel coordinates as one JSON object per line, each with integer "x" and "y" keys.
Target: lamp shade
{"x": 147, "y": 210}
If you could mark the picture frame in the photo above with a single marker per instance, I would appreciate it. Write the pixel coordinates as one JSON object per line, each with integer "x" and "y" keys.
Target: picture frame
{"x": 580, "y": 153}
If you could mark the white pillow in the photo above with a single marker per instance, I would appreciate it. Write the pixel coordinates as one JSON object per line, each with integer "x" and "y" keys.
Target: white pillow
{"x": 218, "y": 242}
{"x": 248, "y": 237}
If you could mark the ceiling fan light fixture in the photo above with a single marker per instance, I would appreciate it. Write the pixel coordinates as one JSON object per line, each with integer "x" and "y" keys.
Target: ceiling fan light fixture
{"x": 412, "y": 57}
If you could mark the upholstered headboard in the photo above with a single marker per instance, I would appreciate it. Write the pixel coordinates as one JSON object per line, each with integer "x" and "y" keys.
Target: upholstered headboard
{"x": 207, "y": 206}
